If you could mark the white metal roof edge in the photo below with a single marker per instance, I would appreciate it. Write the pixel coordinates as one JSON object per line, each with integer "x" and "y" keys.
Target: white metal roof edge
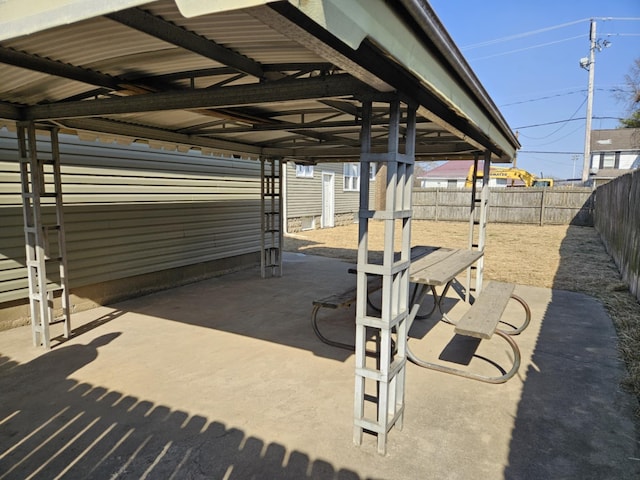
{"x": 20, "y": 17}
{"x": 355, "y": 20}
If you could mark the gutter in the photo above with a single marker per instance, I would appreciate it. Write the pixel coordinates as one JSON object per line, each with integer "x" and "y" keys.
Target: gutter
{"x": 431, "y": 26}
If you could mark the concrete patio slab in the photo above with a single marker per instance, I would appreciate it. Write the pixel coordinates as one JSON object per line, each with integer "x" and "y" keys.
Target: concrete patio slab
{"x": 225, "y": 379}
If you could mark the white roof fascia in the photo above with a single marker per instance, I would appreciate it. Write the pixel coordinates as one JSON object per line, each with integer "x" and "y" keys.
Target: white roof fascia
{"x": 194, "y": 8}
{"x": 355, "y": 20}
{"x": 22, "y": 17}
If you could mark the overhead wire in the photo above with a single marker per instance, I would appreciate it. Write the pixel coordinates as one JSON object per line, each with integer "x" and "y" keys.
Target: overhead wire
{"x": 542, "y": 30}
{"x": 522, "y": 35}
{"x": 564, "y": 124}
{"x": 548, "y": 97}
{"x": 562, "y": 121}
{"x": 529, "y": 48}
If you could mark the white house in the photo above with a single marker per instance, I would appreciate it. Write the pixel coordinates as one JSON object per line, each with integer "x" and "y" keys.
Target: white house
{"x": 613, "y": 153}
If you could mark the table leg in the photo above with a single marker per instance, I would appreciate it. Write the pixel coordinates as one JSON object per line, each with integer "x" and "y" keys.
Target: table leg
{"x": 414, "y": 297}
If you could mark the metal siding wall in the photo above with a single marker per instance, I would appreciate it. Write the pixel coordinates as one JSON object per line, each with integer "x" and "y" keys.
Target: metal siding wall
{"x": 133, "y": 210}
{"x": 304, "y": 195}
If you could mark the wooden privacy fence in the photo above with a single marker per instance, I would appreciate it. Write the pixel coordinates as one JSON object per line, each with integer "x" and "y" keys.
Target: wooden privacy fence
{"x": 617, "y": 219}
{"x": 540, "y": 206}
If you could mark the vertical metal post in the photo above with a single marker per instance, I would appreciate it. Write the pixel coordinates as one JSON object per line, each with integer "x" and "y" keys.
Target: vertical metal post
{"x": 37, "y": 240}
{"x": 271, "y": 221}
{"x": 478, "y": 222}
{"x": 389, "y": 325}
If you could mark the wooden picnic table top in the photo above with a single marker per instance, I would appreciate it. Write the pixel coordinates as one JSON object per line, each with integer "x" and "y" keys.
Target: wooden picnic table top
{"x": 437, "y": 265}
{"x": 441, "y": 265}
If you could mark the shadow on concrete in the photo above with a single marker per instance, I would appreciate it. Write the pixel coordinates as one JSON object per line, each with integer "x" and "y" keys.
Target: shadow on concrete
{"x": 573, "y": 419}
{"x": 51, "y": 426}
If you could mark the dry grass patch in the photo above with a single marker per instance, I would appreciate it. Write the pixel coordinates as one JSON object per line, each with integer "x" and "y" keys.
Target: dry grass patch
{"x": 555, "y": 256}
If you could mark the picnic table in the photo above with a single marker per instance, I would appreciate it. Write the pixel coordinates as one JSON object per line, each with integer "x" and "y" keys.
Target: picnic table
{"x": 433, "y": 267}
{"x": 440, "y": 267}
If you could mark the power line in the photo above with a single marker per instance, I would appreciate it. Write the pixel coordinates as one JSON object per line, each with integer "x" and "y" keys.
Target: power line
{"x": 579, "y": 127}
{"x": 548, "y": 97}
{"x": 527, "y": 48}
{"x": 562, "y": 121}
{"x": 542, "y": 30}
{"x": 522, "y": 35}
{"x": 564, "y": 124}
{"x": 549, "y": 152}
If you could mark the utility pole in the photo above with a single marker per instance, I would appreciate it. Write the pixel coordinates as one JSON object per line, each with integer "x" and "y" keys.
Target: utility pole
{"x": 591, "y": 66}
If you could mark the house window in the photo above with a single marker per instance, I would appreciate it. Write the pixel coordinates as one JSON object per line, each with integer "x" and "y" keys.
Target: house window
{"x": 304, "y": 171}
{"x": 608, "y": 160}
{"x": 351, "y": 174}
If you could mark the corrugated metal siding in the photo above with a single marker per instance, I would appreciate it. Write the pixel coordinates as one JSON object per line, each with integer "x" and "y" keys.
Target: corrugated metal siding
{"x": 132, "y": 210}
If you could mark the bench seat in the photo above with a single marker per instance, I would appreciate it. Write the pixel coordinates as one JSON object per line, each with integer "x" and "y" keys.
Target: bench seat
{"x": 348, "y": 297}
{"x": 482, "y": 319}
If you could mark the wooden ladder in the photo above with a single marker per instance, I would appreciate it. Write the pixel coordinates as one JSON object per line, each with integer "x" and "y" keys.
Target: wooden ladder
{"x": 44, "y": 233}
{"x": 271, "y": 217}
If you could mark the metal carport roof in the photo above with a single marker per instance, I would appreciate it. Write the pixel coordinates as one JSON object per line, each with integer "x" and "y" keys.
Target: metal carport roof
{"x": 324, "y": 80}
{"x": 257, "y": 78}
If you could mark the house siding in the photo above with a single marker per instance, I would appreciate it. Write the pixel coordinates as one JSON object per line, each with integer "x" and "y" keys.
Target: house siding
{"x": 132, "y": 211}
{"x": 304, "y": 198}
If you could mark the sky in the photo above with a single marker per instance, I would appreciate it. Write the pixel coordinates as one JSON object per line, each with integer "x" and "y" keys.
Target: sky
{"x": 526, "y": 54}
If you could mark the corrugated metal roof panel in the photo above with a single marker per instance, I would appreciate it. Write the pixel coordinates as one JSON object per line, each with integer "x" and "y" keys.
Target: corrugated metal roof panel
{"x": 88, "y": 59}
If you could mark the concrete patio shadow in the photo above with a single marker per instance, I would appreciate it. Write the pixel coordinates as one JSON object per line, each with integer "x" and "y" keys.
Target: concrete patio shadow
{"x": 225, "y": 379}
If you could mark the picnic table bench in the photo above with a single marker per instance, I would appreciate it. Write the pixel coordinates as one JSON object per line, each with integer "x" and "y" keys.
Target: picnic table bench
{"x": 481, "y": 320}
{"x": 433, "y": 267}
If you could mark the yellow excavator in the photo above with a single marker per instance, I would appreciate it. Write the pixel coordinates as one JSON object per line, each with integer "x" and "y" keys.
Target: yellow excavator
{"x": 513, "y": 174}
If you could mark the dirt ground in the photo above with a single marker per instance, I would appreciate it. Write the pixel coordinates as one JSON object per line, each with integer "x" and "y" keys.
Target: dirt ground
{"x": 562, "y": 257}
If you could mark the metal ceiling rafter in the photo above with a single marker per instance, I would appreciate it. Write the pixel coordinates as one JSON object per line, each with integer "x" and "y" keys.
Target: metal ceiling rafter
{"x": 99, "y": 125}
{"x": 171, "y": 33}
{"x": 337, "y": 154}
{"x": 59, "y": 69}
{"x": 9, "y": 111}
{"x": 368, "y": 59}
{"x": 224, "y": 97}
{"x": 205, "y": 129}
{"x": 219, "y": 71}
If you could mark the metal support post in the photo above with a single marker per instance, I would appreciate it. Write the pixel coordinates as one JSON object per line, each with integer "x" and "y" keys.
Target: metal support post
{"x": 478, "y": 223}
{"x": 271, "y": 217}
{"x": 45, "y": 243}
{"x": 380, "y": 383}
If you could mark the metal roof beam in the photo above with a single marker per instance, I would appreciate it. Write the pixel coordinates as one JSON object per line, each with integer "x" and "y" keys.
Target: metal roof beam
{"x": 148, "y": 133}
{"x": 344, "y": 107}
{"x": 9, "y": 111}
{"x": 59, "y": 69}
{"x": 219, "y": 71}
{"x": 459, "y": 150}
{"x": 171, "y": 33}
{"x": 230, "y": 96}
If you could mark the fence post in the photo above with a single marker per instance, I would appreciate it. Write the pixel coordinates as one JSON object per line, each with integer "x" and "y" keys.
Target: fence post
{"x": 436, "y": 209}
{"x": 542, "y": 207}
